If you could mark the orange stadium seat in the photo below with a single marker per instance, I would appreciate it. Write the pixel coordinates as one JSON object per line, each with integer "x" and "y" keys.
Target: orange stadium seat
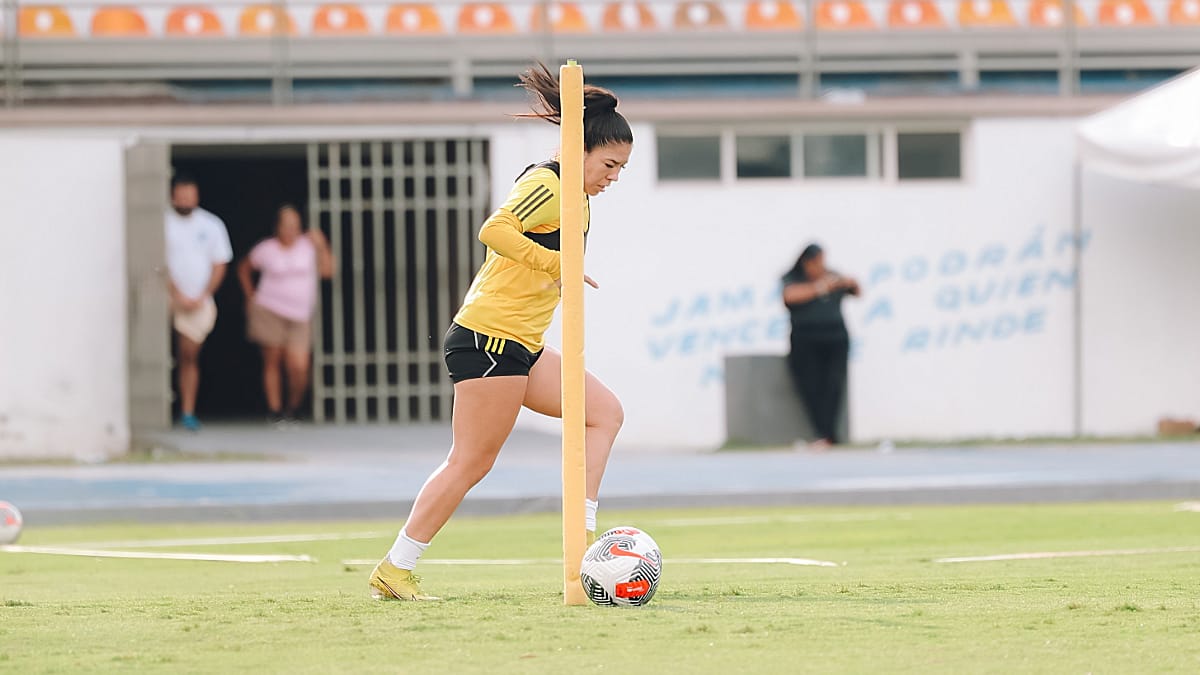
{"x": 985, "y": 13}
{"x": 843, "y": 15}
{"x": 260, "y": 20}
{"x": 44, "y": 21}
{"x": 699, "y": 16}
{"x": 1122, "y": 13}
{"x": 1050, "y": 14}
{"x": 485, "y": 17}
{"x": 193, "y": 21}
{"x": 628, "y": 16}
{"x": 565, "y": 17}
{"x": 915, "y": 14}
{"x": 119, "y": 22}
{"x": 414, "y": 19}
{"x": 339, "y": 20}
{"x": 1184, "y": 13}
{"x": 772, "y": 16}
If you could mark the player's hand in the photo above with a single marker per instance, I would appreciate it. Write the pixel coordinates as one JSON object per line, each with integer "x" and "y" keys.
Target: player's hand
{"x": 317, "y": 236}
{"x": 190, "y": 304}
{"x": 586, "y": 279}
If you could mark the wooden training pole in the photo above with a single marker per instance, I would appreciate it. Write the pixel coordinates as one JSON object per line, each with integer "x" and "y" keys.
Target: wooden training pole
{"x": 571, "y": 246}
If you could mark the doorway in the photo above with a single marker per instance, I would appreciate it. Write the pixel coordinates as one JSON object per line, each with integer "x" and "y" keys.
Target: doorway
{"x": 244, "y": 185}
{"x": 401, "y": 217}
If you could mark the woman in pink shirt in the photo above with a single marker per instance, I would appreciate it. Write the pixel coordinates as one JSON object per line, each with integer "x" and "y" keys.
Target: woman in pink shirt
{"x": 279, "y": 311}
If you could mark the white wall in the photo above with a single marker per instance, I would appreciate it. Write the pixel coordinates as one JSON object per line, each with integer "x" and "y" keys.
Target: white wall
{"x": 689, "y": 273}
{"x": 965, "y": 329}
{"x": 63, "y": 382}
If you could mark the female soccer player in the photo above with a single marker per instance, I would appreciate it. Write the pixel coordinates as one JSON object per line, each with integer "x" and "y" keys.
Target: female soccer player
{"x": 495, "y": 349}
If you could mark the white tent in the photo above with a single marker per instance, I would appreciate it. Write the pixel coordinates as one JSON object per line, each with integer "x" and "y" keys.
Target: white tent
{"x": 1151, "y": 138}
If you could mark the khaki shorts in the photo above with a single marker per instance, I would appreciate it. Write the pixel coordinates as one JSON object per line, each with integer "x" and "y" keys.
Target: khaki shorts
{"x": 271, "y": 330}
{"x": 196, "y": 324}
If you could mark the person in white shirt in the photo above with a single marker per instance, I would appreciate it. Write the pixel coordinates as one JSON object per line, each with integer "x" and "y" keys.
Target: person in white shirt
{"x": 198, "y": 251}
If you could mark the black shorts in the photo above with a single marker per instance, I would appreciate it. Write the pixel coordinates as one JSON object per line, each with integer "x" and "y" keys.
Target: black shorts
{"x": 470, "y": 355}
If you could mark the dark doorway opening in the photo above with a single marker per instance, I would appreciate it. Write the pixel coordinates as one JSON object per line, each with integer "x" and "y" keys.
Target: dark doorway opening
{"x": 244, "y": 185}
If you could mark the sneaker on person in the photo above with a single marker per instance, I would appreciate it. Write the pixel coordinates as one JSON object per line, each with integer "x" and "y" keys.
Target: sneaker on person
{"x": 190, "y": 422}
{"x": 389, "y": 582}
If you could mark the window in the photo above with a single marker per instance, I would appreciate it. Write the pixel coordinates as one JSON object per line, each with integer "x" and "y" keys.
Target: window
{"x": 835, "y": 155}
{"x": 908, "y": 151}
{"x": 689, "y": 157}
{"x": 764, "y": 156}
{"x": 929, "y": 155}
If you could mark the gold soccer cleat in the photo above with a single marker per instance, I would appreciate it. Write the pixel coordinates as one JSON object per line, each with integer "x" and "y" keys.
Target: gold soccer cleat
{"x": 389, "y": 582}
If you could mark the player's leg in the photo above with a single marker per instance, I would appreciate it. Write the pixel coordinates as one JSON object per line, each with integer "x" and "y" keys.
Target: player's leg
{"x": 297, "y": 359}
{"x": 273, "y": 380}
{"x": 269, "y": 331}
{"x": 602, "y": 413}
{"x": 485, "y": 410}
{"x": 804, "y": 361}
{"x": 836, "y": 358}
{"x": 187, "y": 354}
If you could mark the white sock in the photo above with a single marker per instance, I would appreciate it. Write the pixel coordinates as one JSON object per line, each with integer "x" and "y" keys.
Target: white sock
{"x": 589, "y": 514}
{"x": 406, "y": 551}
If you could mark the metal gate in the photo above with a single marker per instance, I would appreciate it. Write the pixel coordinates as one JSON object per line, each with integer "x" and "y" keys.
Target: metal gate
{"x": 401, "y": 217}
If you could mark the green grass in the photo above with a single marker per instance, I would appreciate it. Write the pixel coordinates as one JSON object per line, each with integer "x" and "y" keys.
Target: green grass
{"x": 888, "y": 609}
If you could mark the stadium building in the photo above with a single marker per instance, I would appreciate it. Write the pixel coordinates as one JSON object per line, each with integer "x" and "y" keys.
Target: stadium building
{"x": 930, "y": 147}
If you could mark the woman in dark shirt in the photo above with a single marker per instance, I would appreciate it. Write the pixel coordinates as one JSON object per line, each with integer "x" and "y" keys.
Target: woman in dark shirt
{"x": 820, "y": 343}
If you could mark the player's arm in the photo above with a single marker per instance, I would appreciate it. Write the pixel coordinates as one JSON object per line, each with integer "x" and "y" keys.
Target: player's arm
{"x": 221, "y": 253}
{"x": 532, "y": 203}
{"x": 504, "y": 233}
{"x": 214, "y": 281}
{"x": 245, "y": 273}
{"x": 800, "y": 292}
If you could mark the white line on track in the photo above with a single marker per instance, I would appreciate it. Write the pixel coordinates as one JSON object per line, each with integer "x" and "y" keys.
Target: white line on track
{"x": 758, "y": 520}
{"x": 1188, "y": 506}
{"x": 1070, "y": 554}
{"x": 806, "y": 562}
{"x": 149, "y": 555}
{"x": 225, "y": 541}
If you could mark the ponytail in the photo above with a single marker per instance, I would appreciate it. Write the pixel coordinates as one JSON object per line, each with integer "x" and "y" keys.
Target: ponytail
{"x": 602, "y": 124}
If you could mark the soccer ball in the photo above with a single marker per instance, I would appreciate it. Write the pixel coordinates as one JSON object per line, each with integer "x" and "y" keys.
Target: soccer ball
{"x": 622, "y": 568}
{"x": 10, "y": 523}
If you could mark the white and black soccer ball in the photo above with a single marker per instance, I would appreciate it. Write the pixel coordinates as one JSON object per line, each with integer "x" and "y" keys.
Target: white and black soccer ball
{"x": 10, "y": 523}
{"x": 622, "y": 568}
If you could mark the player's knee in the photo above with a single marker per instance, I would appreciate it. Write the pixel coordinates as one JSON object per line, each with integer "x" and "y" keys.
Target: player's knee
{"x": 473, "y": 470}
{"x": 610, "y": 415}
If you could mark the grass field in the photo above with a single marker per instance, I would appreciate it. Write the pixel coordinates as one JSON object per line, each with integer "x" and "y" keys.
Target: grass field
{"x": 889, "y": 608}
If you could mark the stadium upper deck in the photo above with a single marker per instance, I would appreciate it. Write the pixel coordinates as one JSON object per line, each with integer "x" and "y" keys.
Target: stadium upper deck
{"x": 453, "y": 49}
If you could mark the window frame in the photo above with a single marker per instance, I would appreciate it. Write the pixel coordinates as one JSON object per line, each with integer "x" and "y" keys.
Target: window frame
{"x": 883, "y": 162}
